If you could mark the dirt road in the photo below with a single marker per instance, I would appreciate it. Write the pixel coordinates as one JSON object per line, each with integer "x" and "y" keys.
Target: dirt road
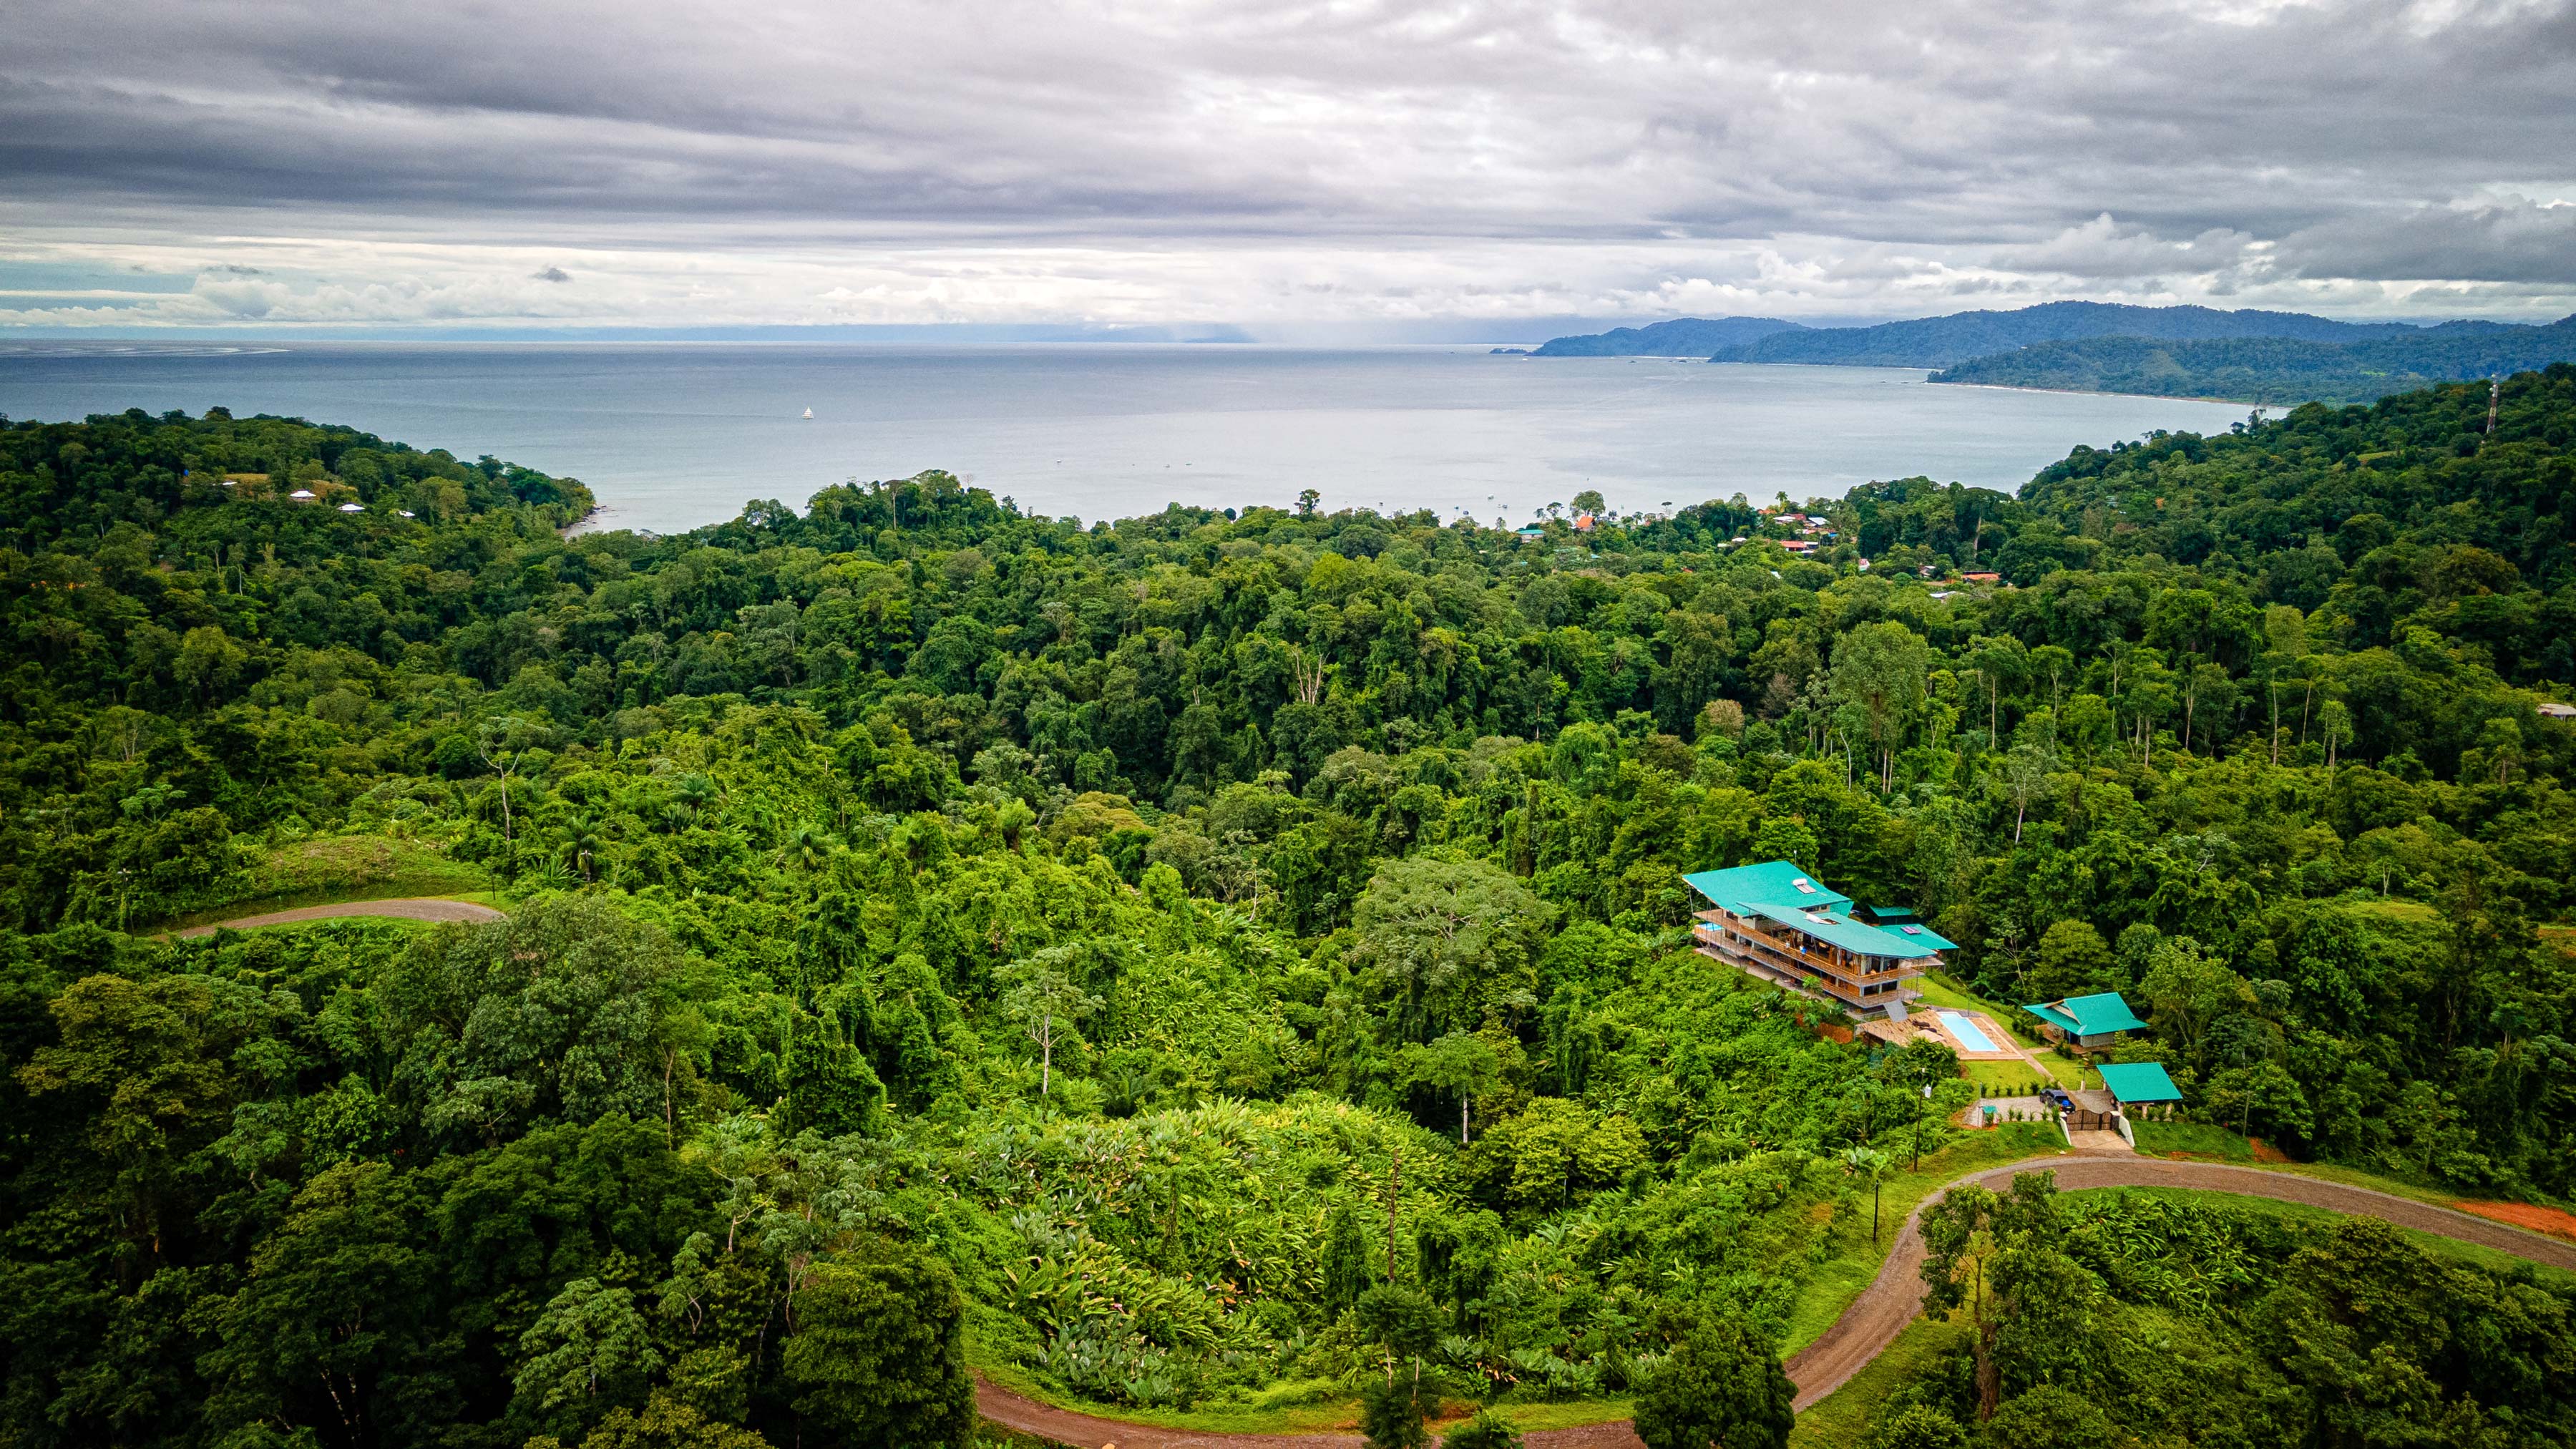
{"x": 1890, "y": 1302}
{"x": 418, "y": 908}
{"x": 1874, "y": 1319}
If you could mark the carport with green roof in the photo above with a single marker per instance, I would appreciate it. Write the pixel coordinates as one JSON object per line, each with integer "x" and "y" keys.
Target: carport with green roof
{"x": 2134, "y": 1083}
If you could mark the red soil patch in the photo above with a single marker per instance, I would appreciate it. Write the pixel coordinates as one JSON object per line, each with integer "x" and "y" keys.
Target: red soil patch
{"x": 2556, "y": 1222}
{"x": 2265, "y": 1151}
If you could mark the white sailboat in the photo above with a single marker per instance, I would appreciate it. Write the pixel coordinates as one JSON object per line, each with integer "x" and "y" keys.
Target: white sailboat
{"x": 809, "y": 415}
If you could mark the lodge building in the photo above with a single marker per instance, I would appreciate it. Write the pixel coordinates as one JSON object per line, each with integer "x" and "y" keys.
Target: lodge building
{"x": 1780, "y": 924}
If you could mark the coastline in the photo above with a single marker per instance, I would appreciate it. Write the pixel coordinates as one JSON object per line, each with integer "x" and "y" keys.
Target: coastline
{"x": 1931, "y": 375}
{"x": 2106, "y": 392}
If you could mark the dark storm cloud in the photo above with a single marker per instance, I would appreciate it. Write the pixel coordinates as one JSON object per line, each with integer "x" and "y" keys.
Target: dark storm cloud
{"x": 2517, "y": 242}
{"x": 2086, "y": 140}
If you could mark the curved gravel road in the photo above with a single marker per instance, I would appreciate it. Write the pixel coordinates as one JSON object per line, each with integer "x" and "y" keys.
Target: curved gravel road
{"x": 1873, "y": 1321}
{"x": 1896, "y": 1296}
{"x": 416, "y": 908}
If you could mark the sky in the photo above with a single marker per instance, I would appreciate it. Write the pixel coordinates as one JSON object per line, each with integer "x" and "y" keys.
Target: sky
{"x": 1344, "y": 170}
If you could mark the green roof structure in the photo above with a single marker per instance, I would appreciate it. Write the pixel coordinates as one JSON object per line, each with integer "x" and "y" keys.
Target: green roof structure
{"x": 1779, "y": 882}
{"x": 1823, "y": 924}
{"x": 1777, "y": 890}
{"x": 1920, "y": 934}
{"x": 2139, "y": 1082}
{"x": 2096, "y": 1015}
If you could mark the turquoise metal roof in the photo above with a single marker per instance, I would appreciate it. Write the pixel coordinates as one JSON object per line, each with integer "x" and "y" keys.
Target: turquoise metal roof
{"x": 1776, "y": 881}
{"x": 2089, "y": 1015}
{"x": 1920, "y": 934}
{"x": 2140, "y": 1082}
{"x": 1842, "y": 931}
{"x": 1778, "y": 890}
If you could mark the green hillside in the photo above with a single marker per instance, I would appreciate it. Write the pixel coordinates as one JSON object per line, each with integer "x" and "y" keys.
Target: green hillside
{"x": 2276, "y": 369}
{"x": 1682, "y": 337}
{"x": 1961, "y": 336}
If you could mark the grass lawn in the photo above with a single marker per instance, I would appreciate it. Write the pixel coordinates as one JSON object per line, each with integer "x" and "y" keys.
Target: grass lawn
{"x": 2006, "y": 1079}
{"x": 1842, "y": 1420}
{"x": 2411, "y": 912}
{"x": 1939, "y": 990}
{"x": 2156, "y": 1139}
{"x": 1529, "y": 1418}
{"x": 2433, "y": 1243}
{"x": 1832, "y": 1284}
{"x": 2217, "y": 1144}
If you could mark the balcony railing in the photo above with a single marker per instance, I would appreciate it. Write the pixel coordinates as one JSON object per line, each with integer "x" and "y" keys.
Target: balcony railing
{"x": 1813, "y": 983}
{"x": 1797, "y": 958}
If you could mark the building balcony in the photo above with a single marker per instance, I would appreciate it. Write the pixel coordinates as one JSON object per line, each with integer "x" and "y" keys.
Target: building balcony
{"x": 1788, "y": 955}
{"x": 1856, "y": 997}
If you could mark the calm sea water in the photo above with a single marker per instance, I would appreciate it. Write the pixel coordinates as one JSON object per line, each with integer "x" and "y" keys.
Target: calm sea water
{"x": 674, "y": 436}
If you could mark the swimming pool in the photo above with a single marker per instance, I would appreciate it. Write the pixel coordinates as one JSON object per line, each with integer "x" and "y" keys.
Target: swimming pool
{"x": 1967, "y": 1033}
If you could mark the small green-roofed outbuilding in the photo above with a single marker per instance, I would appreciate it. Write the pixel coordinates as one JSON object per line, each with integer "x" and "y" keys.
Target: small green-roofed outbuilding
{"x": 2133, "y": 1082}
{"x": 2089, "y": 1019}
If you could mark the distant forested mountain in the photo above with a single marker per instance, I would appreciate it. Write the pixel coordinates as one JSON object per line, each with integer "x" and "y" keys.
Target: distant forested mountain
{"x": 2277, "y": 369}
{"x": 1948, "y": 341}
{"x": 1683, "y": 337}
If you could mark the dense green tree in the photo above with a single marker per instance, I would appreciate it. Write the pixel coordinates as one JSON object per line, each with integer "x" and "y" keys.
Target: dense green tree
{"x": 588, "y": 1353}
{"x": 875, "y": 1357}
{"x": 1986, "y": 1260}
{"x": 1458, "y": 1062}
{"x": 1346, "y": 1269}
{"x": 1880, "y": 669}
{"x": 1446, "y": 939}
{"x": 1391, "y": 1414}
{"x": 1046, "y": 1002}
{"x": 1721, "y": 1387}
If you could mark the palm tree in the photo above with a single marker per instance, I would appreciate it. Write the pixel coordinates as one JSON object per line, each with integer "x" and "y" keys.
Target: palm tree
{"x": 695, "y": 793}
{"x": 578, "y": 837}
{"x": 1872, "y": 1164}
{"x": 807, "y": 848}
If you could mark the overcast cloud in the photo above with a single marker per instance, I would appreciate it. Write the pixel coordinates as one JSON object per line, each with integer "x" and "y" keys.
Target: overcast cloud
{"x": 1275, "y": 165}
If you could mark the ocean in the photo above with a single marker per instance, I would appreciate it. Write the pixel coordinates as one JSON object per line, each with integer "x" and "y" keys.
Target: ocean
{"x": 673, "y": 436}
